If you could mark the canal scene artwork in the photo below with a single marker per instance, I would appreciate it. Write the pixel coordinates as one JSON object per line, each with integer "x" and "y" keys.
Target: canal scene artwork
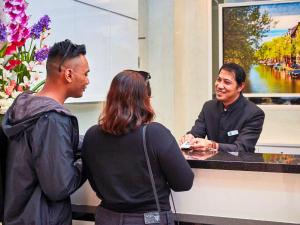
{"x": 265, "y": 40}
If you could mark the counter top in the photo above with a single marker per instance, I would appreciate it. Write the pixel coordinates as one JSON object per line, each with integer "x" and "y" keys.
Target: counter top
{"x": 262, "y": 162}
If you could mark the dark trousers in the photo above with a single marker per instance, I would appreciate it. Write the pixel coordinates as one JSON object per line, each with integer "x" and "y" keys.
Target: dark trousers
{"x": 108, "y": 217}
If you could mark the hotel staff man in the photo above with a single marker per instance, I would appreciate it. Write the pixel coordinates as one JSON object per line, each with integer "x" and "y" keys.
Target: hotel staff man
{"x": 230, "y": 122}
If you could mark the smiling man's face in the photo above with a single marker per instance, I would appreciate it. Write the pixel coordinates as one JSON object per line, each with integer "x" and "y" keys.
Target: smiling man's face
{"x": 226, "y": 88}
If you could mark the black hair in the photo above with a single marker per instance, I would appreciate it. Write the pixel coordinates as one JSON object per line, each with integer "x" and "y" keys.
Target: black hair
{"x": 62, "y": 51}
{"x": 239, "y": 72}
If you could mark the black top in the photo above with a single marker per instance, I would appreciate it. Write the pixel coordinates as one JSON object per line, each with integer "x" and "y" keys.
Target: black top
{"x": 117, "y": 169}
{"x": 235, "y": 129}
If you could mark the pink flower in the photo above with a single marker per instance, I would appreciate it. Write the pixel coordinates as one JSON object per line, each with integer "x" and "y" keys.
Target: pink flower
{"x": 16, "y": 2}
{"x": 17, "y": 32}
{"x": 9, "y": 90}
{"x": 20, "y": 88}
{"x": 15, "y": 8}
{"x": 22, "y": 19}
{"x": 27, "y": 84}
{"x": 18, "y": 17}
{"x": 13, "y": 83}
{"x": 18, "y": 27}
{"x": 13, "y": 27}
{"x": 10, "y": 5}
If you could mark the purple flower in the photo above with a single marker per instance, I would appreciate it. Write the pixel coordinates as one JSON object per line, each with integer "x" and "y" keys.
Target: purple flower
{"x": 41, "y": 54}
{"x": 45, "y": 20}
{"x": 36, "y": 31}
{"x": 3, "y": 33}
{"x": 38, "y": 28}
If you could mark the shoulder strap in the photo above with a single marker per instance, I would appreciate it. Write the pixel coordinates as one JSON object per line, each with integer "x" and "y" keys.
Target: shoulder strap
{"x": 149, "y": 169}
{"x": 151, "y": 176}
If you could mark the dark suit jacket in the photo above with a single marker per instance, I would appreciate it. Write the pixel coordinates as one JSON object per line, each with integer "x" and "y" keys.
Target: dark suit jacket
{"x": 235, "y": 129}
{"x": 3, "y": 146}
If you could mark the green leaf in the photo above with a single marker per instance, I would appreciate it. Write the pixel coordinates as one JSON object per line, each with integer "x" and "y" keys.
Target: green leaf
{"x": 38, "y": 86}
{"x": 3, "y": 50}
{"x": 31, "y": 55}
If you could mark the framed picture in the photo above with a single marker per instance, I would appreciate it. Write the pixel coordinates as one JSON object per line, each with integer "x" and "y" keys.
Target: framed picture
{"x": 264, "y": 38}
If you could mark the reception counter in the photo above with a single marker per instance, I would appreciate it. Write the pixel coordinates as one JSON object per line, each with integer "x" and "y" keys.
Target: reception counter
{"x": 236, "y": 188}
{"x": 242, "y": 188}
{"x": 261, "y": 162}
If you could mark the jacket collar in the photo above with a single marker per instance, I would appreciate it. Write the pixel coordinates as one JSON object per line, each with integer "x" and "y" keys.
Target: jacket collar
{"x": 236, "y": 104}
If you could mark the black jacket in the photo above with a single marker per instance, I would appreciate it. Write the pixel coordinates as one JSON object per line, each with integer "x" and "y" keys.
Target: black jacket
{"x": 41, "y": 167}
{"x": 235, "y": 129}
{"x": 3, "y": 146}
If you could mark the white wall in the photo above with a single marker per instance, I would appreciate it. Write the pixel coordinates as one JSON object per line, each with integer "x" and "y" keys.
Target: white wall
{"x": 282, "y": 125}
{"x": 111, "y": 38}
{"x": 159, "y": 60}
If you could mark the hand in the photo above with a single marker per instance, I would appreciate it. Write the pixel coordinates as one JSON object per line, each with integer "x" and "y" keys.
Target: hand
{"x": 200, "y": 144}
{"x": 184, "y": 138}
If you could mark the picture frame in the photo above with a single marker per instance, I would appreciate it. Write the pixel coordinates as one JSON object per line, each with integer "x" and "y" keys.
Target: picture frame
{"x": 264, "y": 38}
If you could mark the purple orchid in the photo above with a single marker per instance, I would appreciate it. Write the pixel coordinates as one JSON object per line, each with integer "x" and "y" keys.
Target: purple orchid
{"x": 38, "y": 28}
{"x": 36, "y": 31}
{"x": 3, "y": 33}
{"x": 45, "y": 20}
{"x": 41, "y": 54}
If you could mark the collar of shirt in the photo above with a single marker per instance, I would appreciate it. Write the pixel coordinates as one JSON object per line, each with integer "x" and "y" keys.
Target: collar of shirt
{"x": 235, "y": 104}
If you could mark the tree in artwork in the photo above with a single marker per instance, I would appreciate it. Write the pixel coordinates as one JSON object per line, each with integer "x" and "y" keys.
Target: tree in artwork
{"x": 244, "y": 27}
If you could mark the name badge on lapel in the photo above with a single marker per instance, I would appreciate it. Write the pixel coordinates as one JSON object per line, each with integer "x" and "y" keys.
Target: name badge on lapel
{"x": 232, "y": 133}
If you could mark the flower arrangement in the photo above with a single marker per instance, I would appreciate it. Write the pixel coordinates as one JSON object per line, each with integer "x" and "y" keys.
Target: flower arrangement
{"x": 22, "y": 51}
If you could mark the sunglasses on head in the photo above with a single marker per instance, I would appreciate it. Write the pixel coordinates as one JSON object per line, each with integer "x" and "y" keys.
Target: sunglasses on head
{"x": 145, "y": 74}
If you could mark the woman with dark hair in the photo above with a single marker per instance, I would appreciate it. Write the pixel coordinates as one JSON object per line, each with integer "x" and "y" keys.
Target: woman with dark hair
{"x": 115, "y": 162}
